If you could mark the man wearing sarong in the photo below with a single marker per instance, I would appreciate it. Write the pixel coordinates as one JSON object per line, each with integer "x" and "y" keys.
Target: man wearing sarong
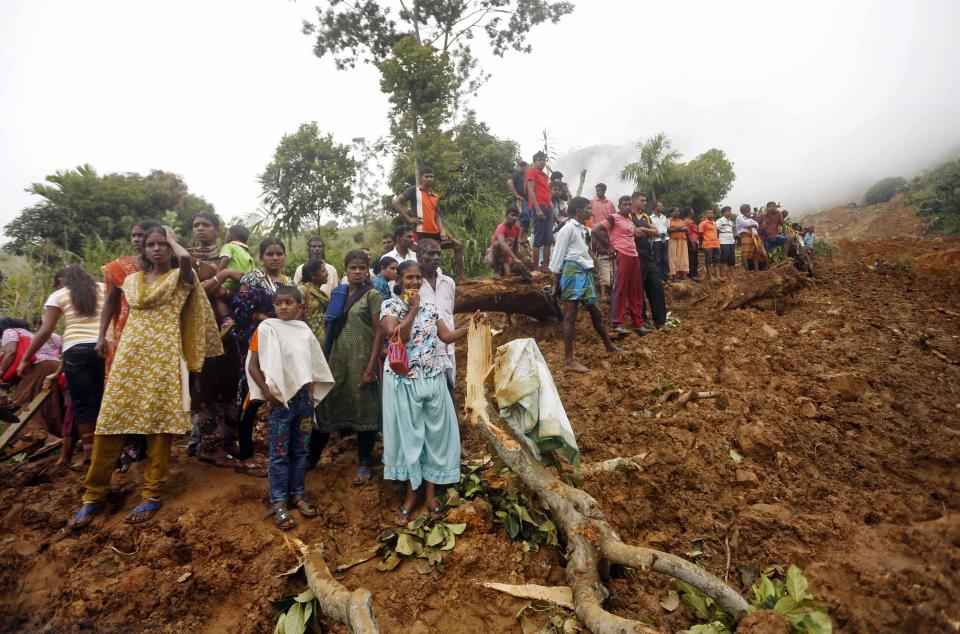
{"x": 751, "y": 249}
{"x": 572, "y": 268}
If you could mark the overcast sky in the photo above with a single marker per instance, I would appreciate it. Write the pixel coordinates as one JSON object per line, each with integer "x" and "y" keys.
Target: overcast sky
{"x": 812, "y": 101}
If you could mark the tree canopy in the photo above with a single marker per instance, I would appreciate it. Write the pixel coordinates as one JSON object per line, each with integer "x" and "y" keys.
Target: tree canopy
{"x": 310, "y": 175}
{"x": 883, "y": 190}
{"x": 78, "y": 204}
{"x": 702, "y": 183}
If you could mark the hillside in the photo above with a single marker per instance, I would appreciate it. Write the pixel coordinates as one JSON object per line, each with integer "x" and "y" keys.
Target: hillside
{"x": 883, "y": 221}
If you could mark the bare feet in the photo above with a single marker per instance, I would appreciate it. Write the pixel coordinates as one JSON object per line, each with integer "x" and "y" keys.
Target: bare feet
{"x": 618, "y": 350}
{"x": 573, "y": 366}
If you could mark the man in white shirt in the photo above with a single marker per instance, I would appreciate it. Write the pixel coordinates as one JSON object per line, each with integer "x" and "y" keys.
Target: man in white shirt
{"x": 746, "y": 228}
{"x": 728, "y": 241}
{"x": 660, "y": 223}
{"x": 572, "y": 269}
{"x": 403, "y": 250}
{"x": 316, "y": 250}
{"x": 440, "y": 290}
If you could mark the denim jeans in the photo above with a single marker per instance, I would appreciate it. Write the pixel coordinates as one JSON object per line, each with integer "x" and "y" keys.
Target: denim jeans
{"x": 289, "y": 429}
{"x": 773, "y": 243}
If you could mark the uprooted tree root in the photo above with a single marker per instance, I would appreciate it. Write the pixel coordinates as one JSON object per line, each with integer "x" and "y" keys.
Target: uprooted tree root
{"x": 754, "y": 289}
{"x": 591, "y": 541}
{"x": 354, "y": 609}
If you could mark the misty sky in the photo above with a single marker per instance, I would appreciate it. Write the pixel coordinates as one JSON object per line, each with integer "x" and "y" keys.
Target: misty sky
{"x": 812, "y": 101}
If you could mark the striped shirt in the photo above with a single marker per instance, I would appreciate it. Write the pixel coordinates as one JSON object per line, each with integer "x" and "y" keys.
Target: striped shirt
{"x": 77, "y": 329}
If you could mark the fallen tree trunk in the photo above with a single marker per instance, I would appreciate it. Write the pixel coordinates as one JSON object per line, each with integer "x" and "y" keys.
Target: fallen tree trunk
{"x": 508, "y": 294}
{"x": 591, "y": 541}
{"x": 354, "y": 609}
{"x": 778, "y": 281}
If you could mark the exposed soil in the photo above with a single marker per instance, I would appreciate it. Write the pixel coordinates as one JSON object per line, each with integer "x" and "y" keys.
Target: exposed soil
{"x": 848, "y": 424}
{"x": 884, "y": 221}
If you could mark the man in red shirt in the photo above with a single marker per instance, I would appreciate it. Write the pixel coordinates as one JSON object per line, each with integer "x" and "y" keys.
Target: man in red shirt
{"x": 693, "y": 242}
{"x": 602, "y": 208}
{"x": 424, "y": 203}
{"x": 502, "y": 255}
{"x": 770, "y": 229}
{"x": 540, "y": 208}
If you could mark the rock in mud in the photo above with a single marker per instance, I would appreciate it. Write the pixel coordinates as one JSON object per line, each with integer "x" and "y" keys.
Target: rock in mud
{"x": 747, "y": 478}
{"x": 848, "y": 386}
{"x": 763, "y": 513}
{"x": 756, "y": 442}
{"x": 809, "y": 410}
{"x": 476, "y": 514}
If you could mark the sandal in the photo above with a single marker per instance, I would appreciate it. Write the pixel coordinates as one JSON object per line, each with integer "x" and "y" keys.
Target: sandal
{"x": 143, "y": 511}
{"x": 435, "y": 511}
{"x": 402, "y": 516}
{"x": 84, "y": 516}
{"x": 364, "y": 474}
{"x": 282, "y": 519}
{"x": 306, "y": 508}
{"x": 225, "y": 460}
{"x": 252, "y": 468}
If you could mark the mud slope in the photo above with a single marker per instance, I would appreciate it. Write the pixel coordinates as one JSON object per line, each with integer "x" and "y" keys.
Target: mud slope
{"x": 847, "y": 421}
{"x": 872, "y": 222}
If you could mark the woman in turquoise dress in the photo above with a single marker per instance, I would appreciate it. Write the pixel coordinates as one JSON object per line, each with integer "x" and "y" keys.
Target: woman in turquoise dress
{"x": 421, "y": 439}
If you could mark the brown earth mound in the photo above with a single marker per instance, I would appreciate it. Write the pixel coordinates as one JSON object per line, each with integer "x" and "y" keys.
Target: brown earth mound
{"x": 874, "y": 222}
{"x": 846, "y": 428}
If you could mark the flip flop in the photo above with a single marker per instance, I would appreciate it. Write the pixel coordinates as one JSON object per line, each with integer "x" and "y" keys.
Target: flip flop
{"x": 402, "y": 516}
{"x": 283, "y": 519}
{"x": 147, "y": 509}
{"x": 306, "y": 508}
{"x": 364, "y": 474}
{"x": 84, "y": 516}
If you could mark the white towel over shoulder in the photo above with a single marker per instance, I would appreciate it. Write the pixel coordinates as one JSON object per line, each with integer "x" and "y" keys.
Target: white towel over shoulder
{"x": 290, "y": 357}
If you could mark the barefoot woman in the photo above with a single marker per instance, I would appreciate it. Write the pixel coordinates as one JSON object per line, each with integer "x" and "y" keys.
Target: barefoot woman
{"x": 169, "y": 332}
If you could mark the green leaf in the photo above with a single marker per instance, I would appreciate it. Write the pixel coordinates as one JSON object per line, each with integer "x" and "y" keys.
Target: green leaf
{"x": 735, "y": 455}
{"x": 715, "y": 627}
{"x": 294, "y": 623}
{"x": 436, "y": 535}
{"x": 456, "y": 529}
{"x": 790, "y": 609}
{"x": 424, "y": 567}
{"x": 765, "y": 592}
{"x": 305, "y": 597}
{"x": 406, "y": 544}
{"x": 695, "y": 599}
{"x": 797, "y": 585}
{"x": 513, "y": 528}
{"x": 279, "y": 628}
{"x": 450, "y": 543}
{"x": 387, "y": 535}
{"x": 389, "y": 563}
{"x": 419, "y": 522}
{"x": 307, "y": 613}
{"x": 816, "y": 623}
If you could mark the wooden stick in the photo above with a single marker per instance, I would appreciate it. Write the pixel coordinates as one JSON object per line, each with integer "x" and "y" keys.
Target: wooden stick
{"x": 25, "y": 414}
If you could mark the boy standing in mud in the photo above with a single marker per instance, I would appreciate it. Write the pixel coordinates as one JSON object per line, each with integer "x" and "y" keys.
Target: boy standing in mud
{"x": 572, "y": 268}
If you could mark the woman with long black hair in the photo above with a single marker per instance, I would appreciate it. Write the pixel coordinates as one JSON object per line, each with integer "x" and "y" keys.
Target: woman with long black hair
{"x": 79, "y": 302}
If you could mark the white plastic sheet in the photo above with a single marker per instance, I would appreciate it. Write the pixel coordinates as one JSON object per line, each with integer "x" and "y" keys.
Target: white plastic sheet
{"x": 529, "y": 401}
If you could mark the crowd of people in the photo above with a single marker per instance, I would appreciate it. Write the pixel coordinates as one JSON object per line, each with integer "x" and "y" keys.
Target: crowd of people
{"x": 194, "y": 340}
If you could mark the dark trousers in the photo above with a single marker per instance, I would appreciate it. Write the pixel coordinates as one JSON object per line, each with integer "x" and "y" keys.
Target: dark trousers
{"x": 662, "y": 258}
{"x": 694, "y": 254}
{"x": 365, "y": 442}
{"x": 653, "y": 287}
{"x": 84, "y": 368}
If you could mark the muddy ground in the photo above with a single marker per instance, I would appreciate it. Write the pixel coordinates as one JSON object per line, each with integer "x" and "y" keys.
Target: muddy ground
{"x": 847, "y": 421}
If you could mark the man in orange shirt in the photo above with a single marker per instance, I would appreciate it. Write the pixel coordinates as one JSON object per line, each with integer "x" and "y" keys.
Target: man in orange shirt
{"x": 710, "y": 245}
{"x": 426, "y": 219}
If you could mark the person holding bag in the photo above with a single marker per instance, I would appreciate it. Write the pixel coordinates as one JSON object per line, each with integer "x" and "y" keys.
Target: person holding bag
{"x": 421, "y": 439}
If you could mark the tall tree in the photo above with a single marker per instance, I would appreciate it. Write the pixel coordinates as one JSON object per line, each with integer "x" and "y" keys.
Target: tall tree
{"x": 655, "y": 168}
{"x": 79, "y": 205}
{"x": 309, "y": 176}
{"x": 371, "y": 32}
{"x": 369, "y": 189}
{"x": 703, "y": 182}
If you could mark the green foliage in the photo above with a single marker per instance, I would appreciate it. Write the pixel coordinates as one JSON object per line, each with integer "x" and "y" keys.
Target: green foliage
{"x": 424, "y": 538}
{"x": 824, "y": 248}
{"x": 367, "y": 31}
{"x": 309, "y": 176}
{"x": 790, "y": 597}
{"x": 297, "y": 614}
{"x": 79, "y": 204}
{"x": 702, "y": 183}
{"x": 936, "y": 194}
{"x": 883, "y": 190}
{"x": 522, "y": 517}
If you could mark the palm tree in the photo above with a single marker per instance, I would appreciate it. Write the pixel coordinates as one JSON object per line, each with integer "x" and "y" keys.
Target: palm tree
{"x": 654, "y": 169}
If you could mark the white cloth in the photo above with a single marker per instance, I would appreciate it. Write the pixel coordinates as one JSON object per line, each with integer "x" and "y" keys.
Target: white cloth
{"x": 725, "y": 230}
{"x": 411, "y": 255}
{"x": 290, "y": 357}
{"x": 443, "y": 297}
{"x": 331, "y": 277}
{"x": 529, "y": 400}
{"x": 570, "y": 243}
{"x": 661, "y": 222}
{"x": 745, "y": 225}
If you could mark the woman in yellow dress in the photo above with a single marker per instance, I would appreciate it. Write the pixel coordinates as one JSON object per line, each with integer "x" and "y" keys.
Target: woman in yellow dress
{"x": 169, "y": 332}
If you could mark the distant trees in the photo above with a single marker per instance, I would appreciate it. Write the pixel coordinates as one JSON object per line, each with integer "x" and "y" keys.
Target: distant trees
{"x": 702, "y": 183}
{"x": 883, "y": 190}
{"x": 310, "y": 175}
{"x": 79, "y": 205}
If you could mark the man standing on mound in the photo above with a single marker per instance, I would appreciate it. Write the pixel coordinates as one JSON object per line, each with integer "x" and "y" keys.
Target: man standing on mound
{"x": 572, "y": 269}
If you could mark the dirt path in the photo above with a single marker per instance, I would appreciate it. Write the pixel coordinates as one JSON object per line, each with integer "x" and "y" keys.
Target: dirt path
{"x": 849, "y": 428}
